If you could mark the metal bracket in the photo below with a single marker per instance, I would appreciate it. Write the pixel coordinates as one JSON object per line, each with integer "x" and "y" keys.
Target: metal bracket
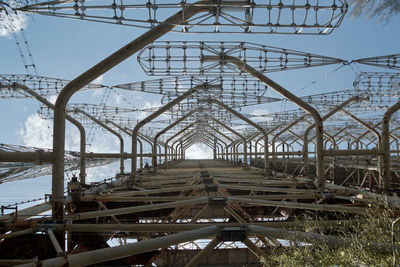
{"x": 211, "y": 188}
{"x": 217, "y": 201}
{"x": 232, "y": 234}
{"x": 207, "y": 180}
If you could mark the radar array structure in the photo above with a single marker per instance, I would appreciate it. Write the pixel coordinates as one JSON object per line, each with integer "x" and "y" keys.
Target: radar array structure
{"x": 263, "y": 172}
{"x": 272, "y": 16}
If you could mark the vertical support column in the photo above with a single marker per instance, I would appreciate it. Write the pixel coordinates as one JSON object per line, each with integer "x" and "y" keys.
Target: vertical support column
{"x": 387, "y": 178}
{"x": 215, "y": 148}
{"x": 121, "y": 140}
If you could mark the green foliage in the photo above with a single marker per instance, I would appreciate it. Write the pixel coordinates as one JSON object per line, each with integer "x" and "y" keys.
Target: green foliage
{"x": 376, "y": 227}
{"x": 382, "y": 10}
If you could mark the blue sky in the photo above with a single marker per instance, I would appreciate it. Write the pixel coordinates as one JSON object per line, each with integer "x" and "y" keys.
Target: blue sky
{"x": 65, "y": 48}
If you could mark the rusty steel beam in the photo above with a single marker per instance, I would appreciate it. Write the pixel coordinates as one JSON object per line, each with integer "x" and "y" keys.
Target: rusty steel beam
{"x": 111, "y": 253}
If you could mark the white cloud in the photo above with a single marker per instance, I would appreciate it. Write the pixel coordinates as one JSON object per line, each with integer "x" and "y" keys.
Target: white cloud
{"x": 259, "y": 112}
{"x": 117, "y": 99}
{"x": 97, "y": 92}
{"x": 148, "y": 105}
{"x": 52, "y": 99}
{"x": 12, "y": 22}
{"x": 37, "y": 132}
{"x": 102, "y": 172}
{"x": 72, "y": 138}
{"x": 104, "y": 143}
{"x": 99, "y": 80}
{"x": 199, "y": 151}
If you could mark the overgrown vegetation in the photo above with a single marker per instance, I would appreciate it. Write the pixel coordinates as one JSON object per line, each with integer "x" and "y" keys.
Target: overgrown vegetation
{"x": 377, "y": 227}
{"x": 382, "y": 10}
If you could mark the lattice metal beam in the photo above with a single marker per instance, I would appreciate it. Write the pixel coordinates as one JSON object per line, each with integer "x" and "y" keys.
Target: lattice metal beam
{"x": 389, "y": 61}
{"x": 377, "y": 81}
{"x": 175, "y": 58}
{"x": 44, "y": 86}
{"x": 236, "y": 16}
{"x": 238, "y": 91}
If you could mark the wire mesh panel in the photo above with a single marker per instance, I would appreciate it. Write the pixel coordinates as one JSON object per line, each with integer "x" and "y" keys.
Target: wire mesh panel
{"x": 176, "y": 58}
{"x": 237, "y": 91}
{"x": 389, "y": 61}
{"x": 10, "y": 85}
{"x": 227, "y": 16}
{"x": 377, "y": 80}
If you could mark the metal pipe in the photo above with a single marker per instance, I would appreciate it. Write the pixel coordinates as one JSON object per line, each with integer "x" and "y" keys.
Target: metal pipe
{"x": 204, "y": 252}
{"x": 295, "y": 205}
{"x": 38, "y": 157}
{"x": 129, "y": 134}
{"x": 217, "y": 145}
{"x": 217, "y": 138}
{"x": 233, "y": 131}
{"x": 266, "y": 143}
{"x": 55, "y": 243}
{"x": 379, "y": 142}
{"x": 125, "y": 155}
{"x": 184, "y": 117}
{"x": 307, "y": 131}
{"x": 256, "y": 250}
{"x": 26, "y": 213}
{"x": 147, "y": 140}
{"x": 119, "y": 211}
{"x": 175, "y": 227}
{"x": 282, "y": 131}
{"x": 154, "y": 115}
{"x": 255, "y": 125}
{"x": 44, "y": 101}
{"x": 105, "y": 126}
{"x": 224, "y": 135}
{"x": 317, "y": 239}
{"x": 111, "y": 253}
{"x": 18, "y": 233}
{"x": 287, "y": 94}
{"x": 386, "y": 176}
{"x": 85, "y": 78}
{"x": 173, "y": 198}
{"x": 175, "y": 135}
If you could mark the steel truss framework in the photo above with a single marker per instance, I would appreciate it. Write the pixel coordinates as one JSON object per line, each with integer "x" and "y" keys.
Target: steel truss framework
{"x": 332, "y": 156}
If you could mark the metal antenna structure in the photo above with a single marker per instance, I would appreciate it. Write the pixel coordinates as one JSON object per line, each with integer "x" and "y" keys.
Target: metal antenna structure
{"x": 248, "y": 16}
{"x": 44, "y": 86}
{"x": 188, "y": 58}
{"x": 322, "y": 156}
